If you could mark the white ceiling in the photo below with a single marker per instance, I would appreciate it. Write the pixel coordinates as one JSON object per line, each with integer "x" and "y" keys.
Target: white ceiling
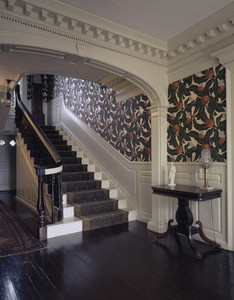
{"x": 163, "y": 19}
{"x": 14, "y": 63}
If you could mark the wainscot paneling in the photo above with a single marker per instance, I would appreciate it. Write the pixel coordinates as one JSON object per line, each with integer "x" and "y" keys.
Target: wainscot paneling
{"x": 145, "y": 196}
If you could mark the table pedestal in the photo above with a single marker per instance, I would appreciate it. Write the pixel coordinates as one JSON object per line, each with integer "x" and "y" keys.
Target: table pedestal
{"x": 184, "y": 218}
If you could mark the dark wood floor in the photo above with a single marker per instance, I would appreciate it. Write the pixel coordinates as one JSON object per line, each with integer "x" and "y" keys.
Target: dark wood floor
{"x": 119, "y": 262}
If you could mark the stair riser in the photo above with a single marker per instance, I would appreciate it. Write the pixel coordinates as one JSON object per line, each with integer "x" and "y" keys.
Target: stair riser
{"x": 81, "y": 186}
{"x": 51, "y": 132}
{"x": 63, "y": 147}
{"x": 54, "y": 136}
{"x": 58, "y": 142}
{"x": 100, "y": 221}
{"x": 87, "y": 197}
{"x": 78, "y": 176}
{"x": 46, "y": 127}
{"x": 71, "y": 160}
{"x": 74, "y": 168}
{"x": 67, "y": 153}
{"x": 96, "y": 208}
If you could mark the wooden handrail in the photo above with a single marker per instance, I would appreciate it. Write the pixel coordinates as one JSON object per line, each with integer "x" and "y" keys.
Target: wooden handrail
{"x": 54, "y": 154}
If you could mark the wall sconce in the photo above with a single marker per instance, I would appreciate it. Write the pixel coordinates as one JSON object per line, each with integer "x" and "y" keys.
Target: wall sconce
{"x": 205, "y": 162}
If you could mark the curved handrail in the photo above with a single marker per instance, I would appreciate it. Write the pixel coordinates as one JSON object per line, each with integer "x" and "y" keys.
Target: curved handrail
{"x": 42, "y": 169}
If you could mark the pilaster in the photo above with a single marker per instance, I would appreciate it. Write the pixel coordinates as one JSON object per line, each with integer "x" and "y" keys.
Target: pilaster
{"x": 226, "y": 57}
{"x": 160, "y": 205}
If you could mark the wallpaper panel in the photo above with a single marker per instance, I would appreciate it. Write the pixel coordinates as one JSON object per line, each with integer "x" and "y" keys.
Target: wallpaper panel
{"x": 126, "y": 125}
{"x": 196, "y": 116}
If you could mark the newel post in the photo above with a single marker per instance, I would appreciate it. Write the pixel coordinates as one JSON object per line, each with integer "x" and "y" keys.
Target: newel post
{"x": 42, "y": 229}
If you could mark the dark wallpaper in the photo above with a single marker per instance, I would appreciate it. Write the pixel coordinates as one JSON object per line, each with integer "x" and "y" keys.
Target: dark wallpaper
{"x": 196, "y": 116}
{"x": 125, "y": 125}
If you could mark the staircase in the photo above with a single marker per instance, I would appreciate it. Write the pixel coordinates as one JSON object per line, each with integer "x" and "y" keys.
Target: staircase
{"x": 92, "y": 203}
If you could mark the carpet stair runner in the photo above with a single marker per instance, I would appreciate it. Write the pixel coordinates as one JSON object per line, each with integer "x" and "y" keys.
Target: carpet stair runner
{"x": 91, "y": 202}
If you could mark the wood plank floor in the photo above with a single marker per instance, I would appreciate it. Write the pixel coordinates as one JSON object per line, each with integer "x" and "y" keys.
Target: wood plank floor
{"x": 119, "y": 262}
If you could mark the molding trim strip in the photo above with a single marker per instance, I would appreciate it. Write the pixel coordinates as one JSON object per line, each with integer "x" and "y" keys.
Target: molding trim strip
{"x": 47, "y": 20}
{"x": 57, "y": 18}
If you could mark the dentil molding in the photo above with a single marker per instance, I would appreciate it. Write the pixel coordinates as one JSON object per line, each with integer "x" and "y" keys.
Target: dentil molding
{"x": 59, "y": 19}
{"x": 225, "y": 55}
{"x": 44, "y": 19}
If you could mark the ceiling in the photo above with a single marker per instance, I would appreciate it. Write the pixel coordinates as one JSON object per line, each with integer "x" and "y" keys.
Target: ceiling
{"x": 13, "y": 62}
{"x": 163, "y": 19}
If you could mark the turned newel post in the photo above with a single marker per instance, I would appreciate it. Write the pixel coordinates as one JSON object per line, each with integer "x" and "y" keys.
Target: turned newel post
{"x": 42, "y": 230}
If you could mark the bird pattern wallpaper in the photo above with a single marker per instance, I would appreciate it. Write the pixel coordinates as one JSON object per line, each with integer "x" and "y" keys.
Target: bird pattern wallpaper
{"x": 125, "y": 125}
{"x": 196, "y": 116}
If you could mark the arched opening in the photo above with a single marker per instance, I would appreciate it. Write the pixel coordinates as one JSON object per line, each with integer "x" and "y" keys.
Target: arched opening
{"x": 26, "y": 60}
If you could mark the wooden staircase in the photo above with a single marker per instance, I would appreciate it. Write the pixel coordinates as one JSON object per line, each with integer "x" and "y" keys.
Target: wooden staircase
{"x": 93, "y": 203}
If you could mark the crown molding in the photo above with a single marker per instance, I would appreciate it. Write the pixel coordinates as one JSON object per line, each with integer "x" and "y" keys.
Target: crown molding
{"x": 225, "y": 55}
{"x": 207, "y": 36}
{"x": 62, "y": 20}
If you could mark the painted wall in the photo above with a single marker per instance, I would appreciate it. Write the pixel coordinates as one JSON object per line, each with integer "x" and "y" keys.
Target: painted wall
{"x": 126, "y": 125}
{"x": 197, "y": 116}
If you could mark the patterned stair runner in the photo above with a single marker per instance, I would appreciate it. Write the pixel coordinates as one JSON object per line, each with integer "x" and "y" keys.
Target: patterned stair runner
{"x": 91, "y": 203}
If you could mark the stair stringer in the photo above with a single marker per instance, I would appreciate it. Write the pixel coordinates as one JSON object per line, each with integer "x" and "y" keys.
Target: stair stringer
{"x": 107, "y": 181}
